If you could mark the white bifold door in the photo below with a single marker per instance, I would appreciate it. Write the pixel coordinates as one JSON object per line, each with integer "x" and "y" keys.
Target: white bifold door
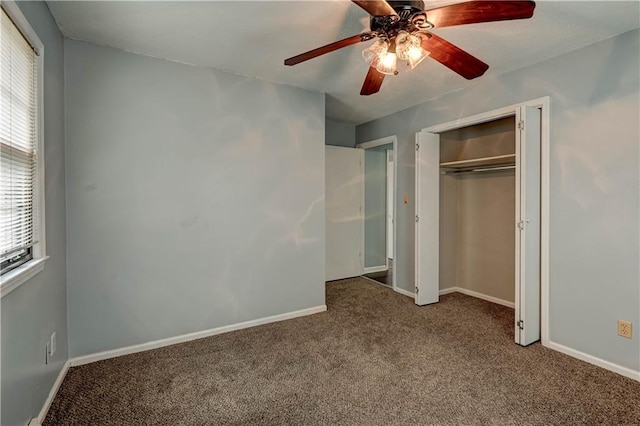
{"x": 427, "y": 247}
{"x": 344, "y": 196}
{"x": 527, "y": 300}
{"x": 527, "y": 220}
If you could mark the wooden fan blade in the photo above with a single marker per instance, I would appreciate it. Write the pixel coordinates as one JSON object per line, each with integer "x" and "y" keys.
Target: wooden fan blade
{"x": 328, "y": 48}
{"x": 372, "y": 82}
{"x": 453, "y": 57}
{"x": 473, "y": 12}
{"x": 376, "y": 7}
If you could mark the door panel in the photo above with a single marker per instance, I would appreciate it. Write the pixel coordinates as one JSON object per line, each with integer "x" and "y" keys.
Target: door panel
{"x": 375, "y": 208}
{"x": 390, "y": 203}
{"x": 427, "y": 218}
{"x": 528, "y": 226}
{"x": 344, "y": 192}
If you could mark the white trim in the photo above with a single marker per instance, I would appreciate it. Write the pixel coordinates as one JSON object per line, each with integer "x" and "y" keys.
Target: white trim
{"x": 23, "y": 25}
{"x": 545, "y": 140}
{"x": 484, "y": 117}
{"x": 378, "y": 142}
{"x": 362, "y": 229}
{"x": 405, "y": 292}
{"x": 607, "y": 365}
{"x": 544, "y": 103}
{"x": 14, "y": 279}
{"x": 37, "y": 421}
{"x": 394, "y": 270}
{"x": 397, "y": 290}
{"x": 393, "y": 139}
{"x": 427, "y": 180}
{"x": 372, "y": 281}
{"x": 99, "y": 356}
{"x": 416, "y": 212}
{"x": 373, "y": 269}
{"x": 390, "y": 190}
{"x": 477, "y": 296}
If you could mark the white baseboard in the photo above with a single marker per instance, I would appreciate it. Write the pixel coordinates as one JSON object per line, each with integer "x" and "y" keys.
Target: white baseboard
{"x": 396, "y": 289}
{"x": 624, "y": 371}
{"x": 372, "y": 281}
{"x": 52, "y": 394}
{"x": 373, "y": 269}
{"x": 99, "y": 356}
{"x": 405, "y": 292}
{"x": 477, "y": 295}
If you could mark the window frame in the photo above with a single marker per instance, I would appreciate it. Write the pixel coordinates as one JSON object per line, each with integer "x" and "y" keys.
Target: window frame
{"x": 23, "y": 273}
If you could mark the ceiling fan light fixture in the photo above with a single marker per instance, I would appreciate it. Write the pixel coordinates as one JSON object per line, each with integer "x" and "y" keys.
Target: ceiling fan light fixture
{"x": 403, "y": 24}
{"x": 373, "y": 53}
{"x": 405, "y": 43}
{"x": 388, "y": 64}
{"x": 417, "y": 55}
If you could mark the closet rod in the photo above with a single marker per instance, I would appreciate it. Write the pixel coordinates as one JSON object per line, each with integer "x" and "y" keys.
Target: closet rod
{"x": 478, "y": 169}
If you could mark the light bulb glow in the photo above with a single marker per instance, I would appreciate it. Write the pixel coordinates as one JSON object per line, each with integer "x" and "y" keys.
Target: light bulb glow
{"x": 388, "y": 60}
{"x": 377, "y": 50}
{"x": 387, "y": 64}
{"x": 409, "y": 48}
{"x": 416, "y": 55}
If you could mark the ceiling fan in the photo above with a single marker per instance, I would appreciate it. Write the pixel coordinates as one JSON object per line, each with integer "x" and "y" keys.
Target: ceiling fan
{"x": 401, "y": 29}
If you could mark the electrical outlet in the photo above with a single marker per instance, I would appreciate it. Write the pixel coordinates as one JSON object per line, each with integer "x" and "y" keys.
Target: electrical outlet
{"x": 52, "y": 344}
{"x": 624, "y": 329}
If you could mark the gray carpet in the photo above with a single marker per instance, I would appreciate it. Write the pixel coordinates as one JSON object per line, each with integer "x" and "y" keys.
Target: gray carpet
{"x": 374, "y": 358}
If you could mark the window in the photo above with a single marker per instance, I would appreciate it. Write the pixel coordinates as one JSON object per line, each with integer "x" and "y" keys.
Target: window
{"x": 21, "y": 230}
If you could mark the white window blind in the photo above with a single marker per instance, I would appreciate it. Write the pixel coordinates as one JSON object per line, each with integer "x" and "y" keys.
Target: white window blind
{"x": 18, "y": 101}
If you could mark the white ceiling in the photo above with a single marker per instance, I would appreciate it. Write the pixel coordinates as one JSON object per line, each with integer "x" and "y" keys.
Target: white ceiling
{"x": 253, "y": 38}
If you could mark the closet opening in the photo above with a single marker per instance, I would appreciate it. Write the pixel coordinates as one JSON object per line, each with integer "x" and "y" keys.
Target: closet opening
{"x": 482, "y": 213}
{"x": 477, "y": 211}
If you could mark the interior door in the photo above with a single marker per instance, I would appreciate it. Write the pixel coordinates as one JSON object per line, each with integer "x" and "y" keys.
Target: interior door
{"x": 427, "y": 218}
{"x": 390, "y": 201}
{"x": 527, "y": 315}
{"x": 344, "y": 194}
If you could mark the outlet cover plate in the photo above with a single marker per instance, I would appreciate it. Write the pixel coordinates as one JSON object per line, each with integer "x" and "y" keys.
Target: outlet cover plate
{"x": 624, "y": 329}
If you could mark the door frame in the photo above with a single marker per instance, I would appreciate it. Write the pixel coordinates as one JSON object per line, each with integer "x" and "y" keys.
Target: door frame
{"x": 393, "y": 139}
{"x": 544, "y": 104}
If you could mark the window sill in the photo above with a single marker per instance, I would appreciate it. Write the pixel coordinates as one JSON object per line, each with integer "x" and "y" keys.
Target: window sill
{"x": 14, "y": 279}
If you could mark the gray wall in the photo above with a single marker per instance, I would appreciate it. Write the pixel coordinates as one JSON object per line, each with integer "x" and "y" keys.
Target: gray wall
{"x": 448, "y": 238}
{"x": 485, "y": 261}
{"x": 375, "y": 205}
{"x": 39, "y": 307}
{"x": 339, "y": 133}
{"x": 196, "y": 198}
{"x": 594, "y": 167}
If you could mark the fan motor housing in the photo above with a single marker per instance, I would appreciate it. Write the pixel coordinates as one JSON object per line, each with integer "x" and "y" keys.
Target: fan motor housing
{"x": 390, "y": 25}
{"x": 398, "y": 5}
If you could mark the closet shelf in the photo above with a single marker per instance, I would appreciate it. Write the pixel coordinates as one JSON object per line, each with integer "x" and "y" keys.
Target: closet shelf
{"x": 497, "y": 160}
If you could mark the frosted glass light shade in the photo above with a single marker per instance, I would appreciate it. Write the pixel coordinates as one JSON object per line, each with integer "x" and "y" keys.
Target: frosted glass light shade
{"x": 409, "y": 48}
{"x": 377, "y": 50}
{"x": 388, "y": 64}
{"x": 417, "y": 55}
{"x": 404, "y": 43}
